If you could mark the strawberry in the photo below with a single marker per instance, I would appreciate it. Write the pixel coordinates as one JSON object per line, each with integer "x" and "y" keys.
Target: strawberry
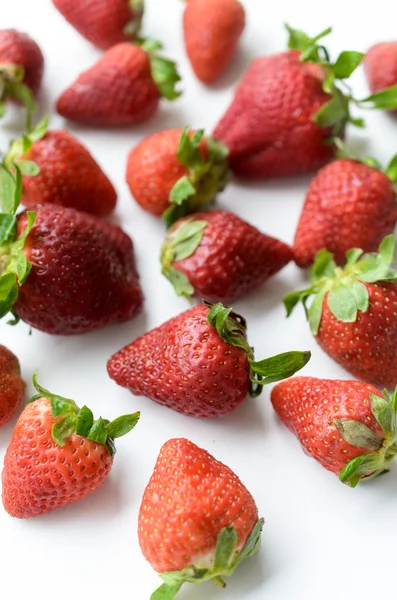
{"x": 347, "y": 426}
{"x": 380, "y": 66}
{"x": 176, "y": 171}
{"x": 348, "y": 203}
{"x": 61, "y": 270}
{"x": 104, "y": 23}
{"x": 199, "y": 363}
{"x": 57, "y": 454}
{"x": 205, "y": 524}
{"x": 58, "y": 169}
{"x": 212, "y": 29}
{"x": 122, "y": 88}
{"x": 288, "y": 107}
{"x": 219, "y": 257}
{"x": 353, "y": 312}
{"x": 12, "y": 386}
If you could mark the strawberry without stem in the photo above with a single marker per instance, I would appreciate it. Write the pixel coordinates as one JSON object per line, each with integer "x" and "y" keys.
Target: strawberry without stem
{"x": 197, "y": 521}
{"x": 199, "y": 363}
{"x": 57, "y": 454}
{"x": 219, "y": 257}
{"x": 347, "y": 426}
{"x": 12, "y": 386}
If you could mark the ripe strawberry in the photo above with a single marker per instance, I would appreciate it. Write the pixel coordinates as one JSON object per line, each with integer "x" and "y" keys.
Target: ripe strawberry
{"x": 219, "y": 257}
{"x": 347, "y": 426}
{"x": 122, "y": 88}
{"x": 348, "y": 204}
{"x": 57, "y": 454}
{"x": 174, "y": 172}
{"x": 104, "y": 23}
{"x": 212, "y": 29}
{"x": 199, "y": 363}
{"x": 380, "y": 65}
{"x": 353, "y": 313}
{"x": 197, "y": 521}
{"x": 12, "y": 386}
{"x": 287, "y": 109}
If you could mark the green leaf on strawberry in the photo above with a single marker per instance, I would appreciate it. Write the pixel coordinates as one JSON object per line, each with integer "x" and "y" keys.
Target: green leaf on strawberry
{"x": 164, "y": 71}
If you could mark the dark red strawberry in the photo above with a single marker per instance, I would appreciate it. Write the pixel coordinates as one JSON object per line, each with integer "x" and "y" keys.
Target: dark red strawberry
{"x": 104, "y": 23}
{"x": 212, "y": 29}
{"x": 57, "y": 454}
{"x": 199, "y": 363}
{"x": 347, "y": 426}
{"x": 380, "y": 65}
{"x": 348, "y": 204}
{"x": 203, "y": 527}
{"x": 353, "y": 314}
{"x": 123, "y": 88}
{"x": 12, "y": 386}
{"x": 219, "y": 257}
{"x": 177, "y": 171}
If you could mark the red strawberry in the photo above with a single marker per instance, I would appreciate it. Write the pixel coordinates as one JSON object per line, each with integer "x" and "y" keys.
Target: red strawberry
{"x": 380, "y": 65}
{"x": 353, "y": 313}
{"x": 122, "y": 88}
{"x": 104, "y": 23}
{"x": 347, "y": 426}
{"x": 57, "y": 454}
{"x": 176, "y": 172}
{"x": 197, "y": 521}
{"x": 219, "y": 257}
{"x": 12, "y": 386}
{"x": 212, "y": 29}
{"x": 347, "y": 204}
{"x": 199, "y": 363}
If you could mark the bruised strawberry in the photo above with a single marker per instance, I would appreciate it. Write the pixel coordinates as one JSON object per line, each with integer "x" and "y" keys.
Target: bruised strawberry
{"x": 219, "y": 257}
{"x": 177, "y": 171}
{"x": 347, "y": 426}
{"x": 197, "y": 521}
{"x": 123, "y": 88}
{"x": 104, "y": 23}
{"x": 12, "y": 386}
{"x": 212, "y": 29}
{"x": 199, "y": 363}
{"x": 57, "y": 454}
{"x": 353, "y": 315}
{"x": 380, "y": 65}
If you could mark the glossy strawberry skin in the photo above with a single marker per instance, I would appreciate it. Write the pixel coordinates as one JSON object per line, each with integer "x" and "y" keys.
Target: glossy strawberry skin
{"x": 232, "y": 259}
{"x": 38, "y": 475}
{"x": 69, "y": 176}
{"x": 12, "y": 386}
{"x": 380, "y": 65}
{"x": 366, "y": 348}
{"x": 309, "y": 407}
{"x": 117, "y": 90}
{"x": 269, "y": 127}
{"x": 83, "y": 273}
{"x": 101, "y": 22}
{"x": 190, "y": 497}
{"x": 19, "y": 49}
{"x": 184, "y": 365}
{"x": 348, "y": 205}
{"x": 212, "y": 29}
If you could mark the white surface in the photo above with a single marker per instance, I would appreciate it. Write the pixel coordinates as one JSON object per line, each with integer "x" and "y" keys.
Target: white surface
{"x": 312, "y": 541}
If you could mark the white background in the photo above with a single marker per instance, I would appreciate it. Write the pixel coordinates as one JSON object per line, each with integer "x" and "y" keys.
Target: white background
{"x": 321, "y": 539}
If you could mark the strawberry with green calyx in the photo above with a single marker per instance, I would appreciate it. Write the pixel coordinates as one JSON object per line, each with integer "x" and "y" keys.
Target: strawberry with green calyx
{"x": 347, "y": 426}
{"x": 353, "y": 311}
{"x": 210, "y": 519}
{"x": 199, "y": 363}
{"x": 53, "y": 429}
{"x": 174, "y": 172}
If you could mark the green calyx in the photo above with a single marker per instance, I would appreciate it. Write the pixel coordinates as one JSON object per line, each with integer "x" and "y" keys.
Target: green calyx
{"x": 181, "y": 243}
{"x": 164, "y": 71}
{"x": 80, "y": 421}
{"x": 133, "y": 26}
{"x": 19, "y": 147}
{"x": 390, "y": 171}
{"x": 207, "y": 175}
{"x": 226, "y": 560}
{"x": 12, "y": 87}
{"x": 232, "y": 329}
{"x": 336, "y": 113}
{"x": 357, "y": 434}
{"x": 344, "y": 287}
